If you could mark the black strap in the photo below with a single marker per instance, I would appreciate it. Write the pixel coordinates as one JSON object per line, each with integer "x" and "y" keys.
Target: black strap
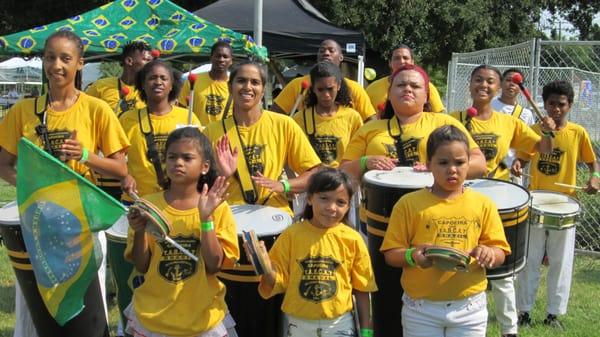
{"x": 244, "y": 178}
{"x": 42, "y": 129}
{"x": 152, "y": 153}
{"x": 466, "y": 121}
{"x": 312, "y": 138}
{"x": 402, "y": 161}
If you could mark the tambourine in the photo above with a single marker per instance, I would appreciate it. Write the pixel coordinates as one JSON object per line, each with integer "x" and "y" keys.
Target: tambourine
{"x": 447, "y": 258}
{"x": 255, "y": 258}
{"x": 157, "y": 225}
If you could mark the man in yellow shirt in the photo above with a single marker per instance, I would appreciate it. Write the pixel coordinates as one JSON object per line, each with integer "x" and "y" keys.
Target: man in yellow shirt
{"x": 211, "y": 91}
{"x": 329, "y": 51}
{"x": 401, "y": 55}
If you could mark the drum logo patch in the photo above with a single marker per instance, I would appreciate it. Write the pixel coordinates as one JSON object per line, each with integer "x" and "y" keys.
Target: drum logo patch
{"x": 56, "y": 139}
{"x": 326, "y": 148}
{"x": 488, "y": 144}
{"x": 549, "y": 164}
{"x": 454, "y": 232}
{"x": 174, "y": 266}
{"x": 213, "y": 104}
{"x": 318, "y": 281}
{"x": 254, "y": 154}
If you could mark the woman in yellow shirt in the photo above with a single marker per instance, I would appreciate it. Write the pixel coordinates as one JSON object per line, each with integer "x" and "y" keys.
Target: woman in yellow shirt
{"x": 328, "y": 120}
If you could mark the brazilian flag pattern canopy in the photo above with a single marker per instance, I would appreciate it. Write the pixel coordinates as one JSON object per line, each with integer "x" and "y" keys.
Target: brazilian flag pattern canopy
{"x": 161, "y": 23}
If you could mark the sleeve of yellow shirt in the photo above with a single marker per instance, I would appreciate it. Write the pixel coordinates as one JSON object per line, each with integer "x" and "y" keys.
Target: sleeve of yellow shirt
{"x": 435, "y": 100}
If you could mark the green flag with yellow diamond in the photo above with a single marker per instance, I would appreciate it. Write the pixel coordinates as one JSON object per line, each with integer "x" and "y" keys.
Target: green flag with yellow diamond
{"x": 60, "y": 210}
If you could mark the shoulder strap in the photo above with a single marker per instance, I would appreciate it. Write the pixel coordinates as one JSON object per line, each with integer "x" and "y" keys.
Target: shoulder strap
{"x": 42, "y": 129}
{"x": 402, "y": 161}
{"x": 517, "y": 111}
{"x": 152, "y": 153}
{"x": 243, "y": 175}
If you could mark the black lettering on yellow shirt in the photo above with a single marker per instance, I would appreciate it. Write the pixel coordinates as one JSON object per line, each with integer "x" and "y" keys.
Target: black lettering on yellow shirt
{"x": 254, "y": 158}
{"x": 57, "y": 138}
{"x": 488, "y": 144}
{"x": 326, "y": 147}
{"x": 452, "y": 232}
{"x": 549, "y": 164}
{"x": 213, "y": 104}
{"x": 318, "y": 282}
{"x": 410, "y": 147}
{"x": 390, "y": 150}
{"x": 161, "y": 140}
{"x": 174, "y": 266}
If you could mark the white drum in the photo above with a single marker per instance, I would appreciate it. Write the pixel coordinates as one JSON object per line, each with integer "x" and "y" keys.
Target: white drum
{"x": 553, "y": 210}
{"x": 512, "y": 202}
{"x": 118, "y": 231}
{"x": 9, "y": 214}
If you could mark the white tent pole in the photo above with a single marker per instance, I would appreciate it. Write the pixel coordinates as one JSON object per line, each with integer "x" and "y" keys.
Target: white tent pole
{"x": 361, "y": 70}
{"x": 258, "y": 22}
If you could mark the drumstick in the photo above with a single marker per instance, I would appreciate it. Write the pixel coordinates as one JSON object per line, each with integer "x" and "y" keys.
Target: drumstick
{"x": 305, "y": 86}
{"x": 192, "y": 78}
{"x": 518, "y": 80}
{"x": 570, "y": 186}
{"x": 178, "y": 246}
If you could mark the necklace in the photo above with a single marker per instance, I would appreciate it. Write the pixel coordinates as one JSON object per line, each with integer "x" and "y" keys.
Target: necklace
{"x": 68, "y": 103}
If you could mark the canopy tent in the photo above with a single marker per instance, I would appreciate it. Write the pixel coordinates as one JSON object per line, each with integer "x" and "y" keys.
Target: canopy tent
{"x": 105, "y": 30}
{"x": 17, "y": 70}
{"x": 291, "y": 28}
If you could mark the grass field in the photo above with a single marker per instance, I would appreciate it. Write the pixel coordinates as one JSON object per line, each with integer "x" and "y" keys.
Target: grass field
{"x": 581, "y": 321}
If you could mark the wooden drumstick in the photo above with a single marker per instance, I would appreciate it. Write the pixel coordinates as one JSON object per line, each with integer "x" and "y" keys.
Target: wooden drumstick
{"x": 192, "y": 78}
{"x": 518, "y": 80}
{"x": 305, "y": 86}
{"x": 570, "y": 186}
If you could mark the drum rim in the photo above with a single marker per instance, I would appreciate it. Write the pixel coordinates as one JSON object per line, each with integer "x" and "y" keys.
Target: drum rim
{"x": 17, "y": 221}
{"x": 366, "y": 178}
{"x": 516, "y": 208}
{"x": 575, "y": 213}
{"x": 252, "y": 207}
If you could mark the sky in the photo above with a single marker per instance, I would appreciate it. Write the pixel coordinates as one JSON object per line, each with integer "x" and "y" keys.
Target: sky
{"x": 568, "y": 31}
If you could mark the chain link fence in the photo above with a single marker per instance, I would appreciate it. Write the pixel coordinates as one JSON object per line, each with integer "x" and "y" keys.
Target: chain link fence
{"x": 542, "y": 62}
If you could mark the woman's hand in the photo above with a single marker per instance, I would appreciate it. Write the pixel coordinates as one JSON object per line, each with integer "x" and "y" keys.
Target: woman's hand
{"x": 270, "y": 184}
{"x": 210, "y": 199}
{"x": 225, "y": 157}
{"x": 380, "y": 163}
{"x": 71, "y": 148}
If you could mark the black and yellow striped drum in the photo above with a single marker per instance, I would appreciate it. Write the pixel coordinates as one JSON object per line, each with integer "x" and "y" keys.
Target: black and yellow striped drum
{"x": 91, "y": 321}
{"x": 513, "y": 203}
{"x": 381, "y": 190}
{"x": 253, "y": 315}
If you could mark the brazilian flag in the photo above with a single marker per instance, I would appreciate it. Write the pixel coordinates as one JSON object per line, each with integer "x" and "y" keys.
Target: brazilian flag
{"x": 60, "y": 210}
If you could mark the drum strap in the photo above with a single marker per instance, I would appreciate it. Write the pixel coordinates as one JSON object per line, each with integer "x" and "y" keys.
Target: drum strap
{"x": 309, "y": 119}
{"x": 466, "y": 120}
{"x": 227, "y": 106}
{"x": 402, "y": 161}
{"x": 517, "y": 111}
{"x": 42, "y": 129}
{"x": 152, "y": 153}
{"x": 124, "y": 105}
{"x": 244, "y": 176}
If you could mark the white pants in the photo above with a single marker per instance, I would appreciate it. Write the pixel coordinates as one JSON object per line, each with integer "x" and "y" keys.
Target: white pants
{"x": 342, "y": 326}
{"x": 24, "y": 323}
{"x": 464, "y": 318}
{"x": 505, "y": 303}
{"x": 559, "y": 245}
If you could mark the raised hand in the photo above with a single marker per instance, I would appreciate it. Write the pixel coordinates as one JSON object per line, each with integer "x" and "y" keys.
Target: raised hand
{"x": 210, "y": 199}
{"x": 226, "y": 157}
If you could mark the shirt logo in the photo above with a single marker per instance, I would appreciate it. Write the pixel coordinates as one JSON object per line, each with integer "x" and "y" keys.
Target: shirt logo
{"x": 452, "y": 232}
{"x": 174, "y": 266}
{"x": 326, "y": 147}
{"x": 213, "y": 104}
{"x": 161, "y": 140}
{"x": 549, "y": 164}
{"x": 488, "y": 144}
{"x": 410, "y": 147}
{"x": 318, "y": 282}
{"x": 254, "y": 158}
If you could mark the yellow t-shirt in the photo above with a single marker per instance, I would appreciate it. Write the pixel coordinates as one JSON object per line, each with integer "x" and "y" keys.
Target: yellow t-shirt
{"x": 378, "y": 92}
{"x": 360, "y": 100}
{"x": 333, "y": 133}
{"x": 421, "y": 217}
{"x": 107, "y": 89}
{"x": 210, "y": 98}
{"x": 571, "y": 145}
{"x": 272, "y": 142}
{"x": 97, "y": 128}
{"x": 317, "y": 269}
{"x": 138, "y": 164}
{"x": 178, "y": 297}
{"x": 374, "y": 138}
{"x": 497, "y": 135}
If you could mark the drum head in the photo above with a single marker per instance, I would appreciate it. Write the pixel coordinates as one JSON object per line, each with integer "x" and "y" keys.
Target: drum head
{"x": 506, "y": 195}
{"x": 119, "y": 229}
{"x": 264, "y": 220}
{"x": 554, "y": 203}
{"x": 9, "y": 214}
{"x": 403, "y": 177}
{"x": 448, "y": 259}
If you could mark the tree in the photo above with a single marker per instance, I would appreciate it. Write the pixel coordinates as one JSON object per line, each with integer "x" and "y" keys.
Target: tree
{"x": 579, "y": 13}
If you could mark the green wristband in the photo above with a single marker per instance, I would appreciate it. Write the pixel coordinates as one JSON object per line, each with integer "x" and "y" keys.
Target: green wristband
{"x": 596, "y": 174}
{"x": 286, "y": 186}
{"x": 363, "y": 163}
{"x": 547, "y": 133}
{"x": 366, "y": 332}
{"x": 207, "y": 226}
{"x": 85, "y": 155}
{"x": 408, "y": 257}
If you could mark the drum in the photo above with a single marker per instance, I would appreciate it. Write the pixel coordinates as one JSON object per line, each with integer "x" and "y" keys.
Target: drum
{"x": 253, "y": 315}
{"x": 92, "y": 319}
{"x": 512, "y": 202}
{"x": 381, "y": 190}
{"x": 123, "y": 271}
{"x": 552, "y": 210}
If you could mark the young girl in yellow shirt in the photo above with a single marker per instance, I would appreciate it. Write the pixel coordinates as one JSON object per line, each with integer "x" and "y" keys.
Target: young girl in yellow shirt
{"x": 319, "y": 263}
{"x": 181, "y": 297}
